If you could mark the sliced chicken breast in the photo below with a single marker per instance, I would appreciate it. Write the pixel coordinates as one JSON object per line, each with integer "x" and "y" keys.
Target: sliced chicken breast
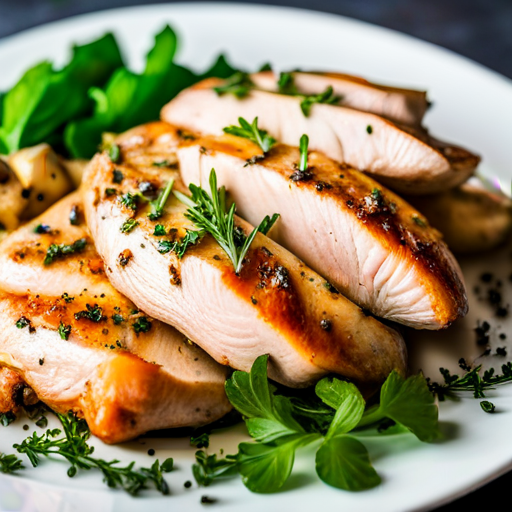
{"x": 407, "y": 106}
{"x": 14, "y": 393}
{"x": 405, "y": 159}
{"x": 471, "y": 217}
{"x": 276, "y": 305}
{"x": 368, "y": 242}
{"x": 82, "y": 346}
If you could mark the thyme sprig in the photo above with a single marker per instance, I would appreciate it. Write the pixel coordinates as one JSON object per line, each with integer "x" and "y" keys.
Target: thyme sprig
{"x": 239, "y": 84}
{"x": 209, "y": 212}
{"x": 74, "y": 448}
{"x": 253, "y": 133}
{"x": 471, "y": 380}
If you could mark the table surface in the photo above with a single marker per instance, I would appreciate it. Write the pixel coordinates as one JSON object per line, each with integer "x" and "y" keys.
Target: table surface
{"x": 478, "y": 29}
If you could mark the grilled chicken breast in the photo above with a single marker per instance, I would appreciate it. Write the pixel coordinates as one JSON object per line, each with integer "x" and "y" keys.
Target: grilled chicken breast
{"x": 407, "y": 160}
{"x": 275, "y": 305}
{"x": 81, "y": 345}
{"x": 472, "y": 218}
{"x": 13, "y": 391}
{"x": 368, "y": 242}
{"x": 405, "y": 106}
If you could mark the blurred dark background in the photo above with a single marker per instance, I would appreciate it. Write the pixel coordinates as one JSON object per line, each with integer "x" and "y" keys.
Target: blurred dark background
{"x": 478, "y": 29}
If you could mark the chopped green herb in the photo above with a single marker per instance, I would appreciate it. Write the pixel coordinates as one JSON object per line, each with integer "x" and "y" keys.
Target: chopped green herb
{"x": 56, "y": 251}
{"x": 128, "y": 225}
{"x": 110, "y": 192}
{"x": 130, "y": 201}
{"x": 114, "y": 153}
{"x": 142, "y": 324}
{"x": 64, "y": 331}
{"x": 157, "y": 206}
{"x": 42, "y": 229}
{"x": 239, "y": 84}
{"x": 74, "y": 215}
{"x": 162, "y": 163}
{"x": 117, "y": 176}
{"x": 92, "y": 313}
{"x": 487, "y": 406}
{"x": 67, "y": 298}
{"x": 202, "y": 441}
{"x": 22, "y": 322}
{"x": 418, "y": 220}
{"x": 303, "y": 146}
{"x": 208, "y": 468}
{"x": 7, "y": 418}
{"x": 10, "y": 463}
{"x": 369, "y": 129}
{"x": 265, "y": 67}
{"x": 326, "y": 97}
{"x": 118, "y": 319}
{"x": 159, "y": 230}
{"x": 180, "y": 246}
{"x": 286, "y": 84}
{"x": 208, "y": 213}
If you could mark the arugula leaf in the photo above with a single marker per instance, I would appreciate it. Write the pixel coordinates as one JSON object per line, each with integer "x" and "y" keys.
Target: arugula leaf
{"x": 408, "y": 402}
{"x": 343, "y": 462}
{"x": 44, "y": 99}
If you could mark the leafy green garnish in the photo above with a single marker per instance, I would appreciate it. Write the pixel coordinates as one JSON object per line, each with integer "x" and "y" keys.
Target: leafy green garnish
{"x": 142, "y": 324}
{"x": 128, "y": 225}
{"x": 10, "y": 463}
{"x": 58, "y": 251}
{"x": 239, "y": 84}
{"x": 326, "y": 97}
{"x": 74, "y": 448}
{"x": 157, "y": 206}
{"x": 209, "y": 213}
{"x": 303, "y": 146}
{"x": 43, "y": 100}
{"x": 180, "y": 246}
{"x": 64, "y": 331}
{"x": 286, "y": 84}
{"x": 93, "y": 313}
{"x": 253, "y": 133}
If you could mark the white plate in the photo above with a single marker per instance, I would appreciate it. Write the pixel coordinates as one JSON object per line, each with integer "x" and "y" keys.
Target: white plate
{"x": 472, "y": 107}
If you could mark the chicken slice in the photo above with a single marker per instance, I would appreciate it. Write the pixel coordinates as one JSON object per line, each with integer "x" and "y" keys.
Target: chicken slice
{"x": 407, "y": 106}
{"x": 275, "y": 305}
{"x": 368, "y": 242}
{"x": 81, "y": 345}
{"x": 405, "y": 159}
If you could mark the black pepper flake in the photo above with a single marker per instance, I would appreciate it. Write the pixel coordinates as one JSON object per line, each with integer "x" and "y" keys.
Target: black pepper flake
{"x": 187, "y": 484}
{"x": 117, "y": 176}
{"x": 151, "y": 452}
{"x": 74, "y": 215}
{"x": 216, "y": 257}
{"x": 326, "y": 325}
{"x": 41, "y": 361}
{"x": 42, "y": 229}
{"x": 503, "y": 336}
{"x": 25, "y": 427}
{"x": 482, "y": 333}
{"x": 25, "y": 193}
{"x": 40, "y": 197}
{"x": 501, "y": 351}
{"x": 253, "y": 300}
{"x": 486, "y": 277}
{"x": 301, "y": 176}
{"x": 206, "y": 500}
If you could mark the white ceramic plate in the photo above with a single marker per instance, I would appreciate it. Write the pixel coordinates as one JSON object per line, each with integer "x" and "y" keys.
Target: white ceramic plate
{"x": 472, "y": 107}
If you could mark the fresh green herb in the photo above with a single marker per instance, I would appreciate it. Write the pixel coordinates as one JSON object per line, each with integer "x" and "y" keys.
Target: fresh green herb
{"x": 253, "y": 133}
{"x": 22, "y": 322}
{"x": 180, "y": 246}
{"x": 286, "y": 84}
{"x": 42, "y": 229}
{"x": 162, "y": 163}
{"x": 157, "y": 206}
{"x": 159, "y": 230}
{"x": 303, "y": 146}
{"x": 114, "y": 153}
{"x": 332, "y": 417}
{"x": 117, "y": 175}
{"x": 74, "y": 448}
{"x": 418, "y": 220}
{"x": 208, "y": 212}
{"x": 239, "y": 84}
{"x": 487, "y": 406}
{"x": 110, "y": 192}
{"x": 128, "y": 225}
{"x": 326, "y": 97}
{"x": 201, "y": 441}
{"x": 10, "y": 463}
{"x": 142, "y": 324}
{"x": 67, "y": 298}
{"x": 92, "y": 313}
{"x": 64, "y": 331}
{"x": 118, "y": 319}
{"x": 369, "y": 129}
{"x": 44, "y": 99}
{"x": 130, "y": 201}
{"x": 58, "y": 251}
{"x": 7, "y": 418}
{"x": 265, "y": 67}
{"x": 471, "y": 380}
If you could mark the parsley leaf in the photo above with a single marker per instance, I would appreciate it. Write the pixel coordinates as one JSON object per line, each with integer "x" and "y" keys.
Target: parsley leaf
{"x": 253, "y": 133}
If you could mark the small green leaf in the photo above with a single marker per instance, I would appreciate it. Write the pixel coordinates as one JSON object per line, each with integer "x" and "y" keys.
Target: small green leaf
{"x": 343, "y": 462}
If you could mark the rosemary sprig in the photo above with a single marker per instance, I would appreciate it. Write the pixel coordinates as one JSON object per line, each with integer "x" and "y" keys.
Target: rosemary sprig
{"x": 239, "y": 84}
{"x": 253, "y": 133}
{"x": 74, "y": 448}
{"x": 157, "y": 206}
{"x": 210, "y": 214}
